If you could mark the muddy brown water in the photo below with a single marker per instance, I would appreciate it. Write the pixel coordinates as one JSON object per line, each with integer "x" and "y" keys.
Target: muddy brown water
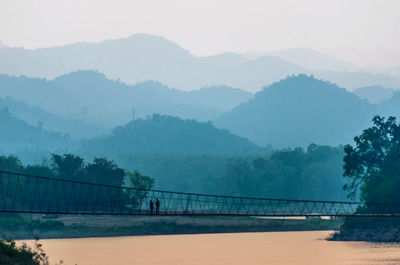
{"x": 216, "y": 249}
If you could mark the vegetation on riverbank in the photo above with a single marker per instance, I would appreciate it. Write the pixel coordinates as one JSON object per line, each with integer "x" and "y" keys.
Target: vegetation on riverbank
{"x": 373, "y": 168}
{"x": 101, "y": 226}
{"x": 11, "y": 254}
{"x": 373, "y": 229}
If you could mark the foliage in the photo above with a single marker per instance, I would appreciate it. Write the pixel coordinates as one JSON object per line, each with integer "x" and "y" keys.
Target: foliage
{"x": 191, "y": 173}
{"x": 10, "y": 163}
{"x": 103, "y": 170}
{"x": 67, "y": 166}
{"x": 11, "y": 254}
{"x": 138, "y": 181}
{"x": 71, "y": 167}
{"x": 170, "y": 135}
{"x": 373, "y": 164}
{"x": 312, "y": 174}
{"x": 372, "y": 169}
{"x": 293, "y": 174}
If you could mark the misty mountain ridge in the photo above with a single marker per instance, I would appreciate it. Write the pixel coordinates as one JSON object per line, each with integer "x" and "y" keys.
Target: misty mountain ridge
{"x": 17, "y": 135}
{"x": 374, "y": 94}
{"x": 90, "y": 97}
{"x": 354, "y": 80}
{"x": 309, "y": 59}
{"x": 297, "y": 111}
{"x": 162, "y": 134}
{"x": 144, "y": 57}
{"x": 36, "y": 116}
{"x": 140, "y": 58}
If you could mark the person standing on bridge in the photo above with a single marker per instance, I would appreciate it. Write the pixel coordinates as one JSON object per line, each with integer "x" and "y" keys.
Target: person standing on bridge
{"x": 157, "y": 206}
{"x": 151, "y": 206}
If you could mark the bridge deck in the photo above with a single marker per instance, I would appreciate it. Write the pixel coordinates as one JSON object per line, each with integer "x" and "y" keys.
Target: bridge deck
{"x": 22, "y": 193}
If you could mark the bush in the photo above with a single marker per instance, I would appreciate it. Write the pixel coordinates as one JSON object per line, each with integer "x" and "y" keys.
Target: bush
{"x": 10, "y": 254}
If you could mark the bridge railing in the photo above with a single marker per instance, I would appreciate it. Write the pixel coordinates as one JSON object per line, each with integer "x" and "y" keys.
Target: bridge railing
{"x": 25, "y": 193}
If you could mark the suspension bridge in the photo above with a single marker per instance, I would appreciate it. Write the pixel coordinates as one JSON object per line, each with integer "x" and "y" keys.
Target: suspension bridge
{"x": 23, "y": 193}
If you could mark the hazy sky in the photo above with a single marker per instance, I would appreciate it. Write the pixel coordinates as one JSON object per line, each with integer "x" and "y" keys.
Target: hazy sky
{"x": 207, "y": 27}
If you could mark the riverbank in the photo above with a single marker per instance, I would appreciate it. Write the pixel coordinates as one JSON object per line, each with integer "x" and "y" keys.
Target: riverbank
{"x": 384, "y": 234}
{"x": 372, "y": 229}
{"x": 110, "y": 226}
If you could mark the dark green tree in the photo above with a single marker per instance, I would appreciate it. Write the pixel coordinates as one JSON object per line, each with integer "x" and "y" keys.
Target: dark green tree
{"x": 372, "y": 165}
{"x": 105, "y": 171}
{"x": 138, "y": 181}
{"x": 68, "y": 166}
{"x": 10, "y": 163}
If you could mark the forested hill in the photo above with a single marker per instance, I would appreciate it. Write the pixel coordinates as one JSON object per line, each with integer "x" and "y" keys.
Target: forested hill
{"x": 16, "y": 134}
{"x": 35, "y": 115}
{"x": 297, "y": 111}
{"x": 89, "y": 96}
{"x": 170, "y": 135}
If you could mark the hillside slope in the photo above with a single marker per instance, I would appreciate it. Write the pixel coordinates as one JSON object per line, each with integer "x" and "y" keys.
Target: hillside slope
{"x": 17, "y": 135}
{"x": 297, "y": 111}
{"x": 89, "y": 96}
{"x": 170, "y": 135}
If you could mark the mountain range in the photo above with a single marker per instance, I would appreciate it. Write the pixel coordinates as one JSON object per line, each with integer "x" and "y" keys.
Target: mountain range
{"x": 145, "y": 57}
{"x": 38, "y": 117}
{"x": 295, "y": 111}
{"x": 90, "y": 97}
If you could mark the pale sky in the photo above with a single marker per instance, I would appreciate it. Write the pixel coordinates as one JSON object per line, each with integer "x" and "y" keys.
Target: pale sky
{"x": 206, "y": 27}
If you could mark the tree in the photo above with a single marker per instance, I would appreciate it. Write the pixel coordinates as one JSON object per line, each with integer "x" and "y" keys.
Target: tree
{"x": 105, "y": 171}
{"x": 10, "y": 163}
{"x": 68, "y": 166}
{"x": 372, "y": 164}
{"x": 138, "y": 181}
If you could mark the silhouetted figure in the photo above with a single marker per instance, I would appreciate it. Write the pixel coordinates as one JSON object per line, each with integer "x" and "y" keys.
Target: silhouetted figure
{"x": 151, "y": 206}
{"x": 157, "y": 206}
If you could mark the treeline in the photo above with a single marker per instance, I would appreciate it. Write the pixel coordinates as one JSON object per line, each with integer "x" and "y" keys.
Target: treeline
{"x": 372, "y": 170}
{"x": 39, "y": 194}
{"x": 72, "y": 167}
{"x": 315, "y": 173}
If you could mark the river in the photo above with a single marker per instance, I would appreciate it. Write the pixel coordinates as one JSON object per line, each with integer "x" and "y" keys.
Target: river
{"x": 211, "y": 249}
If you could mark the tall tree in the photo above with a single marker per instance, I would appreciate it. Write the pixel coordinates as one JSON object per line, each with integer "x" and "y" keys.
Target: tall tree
{"x": 68, "y": 166}
{"x": 371, "y": 165}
